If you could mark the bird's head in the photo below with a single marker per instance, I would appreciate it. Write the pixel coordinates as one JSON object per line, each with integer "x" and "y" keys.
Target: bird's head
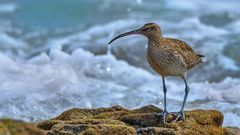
{"x": 150, "y": 30}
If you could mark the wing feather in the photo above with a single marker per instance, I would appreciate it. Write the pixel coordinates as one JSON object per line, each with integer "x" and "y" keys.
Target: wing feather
{"x": 189, "y": 56}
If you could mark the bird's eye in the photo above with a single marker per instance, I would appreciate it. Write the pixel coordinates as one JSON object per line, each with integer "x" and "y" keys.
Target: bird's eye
{"x": 147, "y": 29}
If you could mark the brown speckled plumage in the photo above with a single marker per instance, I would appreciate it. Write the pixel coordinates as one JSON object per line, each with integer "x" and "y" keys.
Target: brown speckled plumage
{"x": 168, "y": 57}
{"x": 171, "y": 57}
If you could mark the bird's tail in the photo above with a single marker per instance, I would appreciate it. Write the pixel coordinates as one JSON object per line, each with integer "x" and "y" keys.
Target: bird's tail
{"x": 202, "y": 57}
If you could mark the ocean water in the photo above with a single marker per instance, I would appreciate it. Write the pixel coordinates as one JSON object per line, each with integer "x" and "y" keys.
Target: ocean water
{"x": 54, "y": 56}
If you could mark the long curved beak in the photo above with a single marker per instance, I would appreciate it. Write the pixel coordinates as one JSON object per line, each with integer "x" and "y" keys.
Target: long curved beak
{"x": 124, "y": 34}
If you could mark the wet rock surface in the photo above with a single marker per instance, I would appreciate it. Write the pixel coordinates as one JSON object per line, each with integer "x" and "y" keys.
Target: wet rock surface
{"x": 13, "y": 127}
{"x": 117, "y": 120}
{"x": 120, "y": 121}
{"x": 231, "y": 131}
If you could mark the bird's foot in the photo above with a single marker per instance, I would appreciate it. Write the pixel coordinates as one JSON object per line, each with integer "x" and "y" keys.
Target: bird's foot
{"x": 180, "y": 116}
{"x": 163, "y": 115}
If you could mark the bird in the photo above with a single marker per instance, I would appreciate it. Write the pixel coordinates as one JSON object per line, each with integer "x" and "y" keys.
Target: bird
{"x": 167, "y": 57}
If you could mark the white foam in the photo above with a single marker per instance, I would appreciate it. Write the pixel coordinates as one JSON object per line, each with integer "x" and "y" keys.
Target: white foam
{"x": 234, "y": 26}
{"x": 44, "y": 86}
{"x": 7, "y": 42}
{"x": 203, "y": 6}
{"x": 197, "y": 30}
{"x": 7, "y": 7}
{"x": 139, "y": 1}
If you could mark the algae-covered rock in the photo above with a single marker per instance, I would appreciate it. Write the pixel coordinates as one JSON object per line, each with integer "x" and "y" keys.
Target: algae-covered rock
{"x": 77, "y": 113}
{"x": 117, "y": 120}
{"x": 231, "y": 131}
{"x": 120, "y": 121}
{"x": 89, "y": 129}
{"x": 47, "y": 125}
{"x": 198, "y": 122}
{"x": 13, "y": 127}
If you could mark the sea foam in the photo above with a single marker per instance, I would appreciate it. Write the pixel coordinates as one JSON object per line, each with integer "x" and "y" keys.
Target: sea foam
{"x": 46, "y": 85}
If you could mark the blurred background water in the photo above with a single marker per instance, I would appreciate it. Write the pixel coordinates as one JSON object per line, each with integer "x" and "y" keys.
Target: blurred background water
{"x": 53, "y": 55}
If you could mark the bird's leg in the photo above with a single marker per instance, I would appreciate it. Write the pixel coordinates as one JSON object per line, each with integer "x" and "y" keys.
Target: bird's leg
{"x": 165, "y": 112}
{"x": 180, "y": 115}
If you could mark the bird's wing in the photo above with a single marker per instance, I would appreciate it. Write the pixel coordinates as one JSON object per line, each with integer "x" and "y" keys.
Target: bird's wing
{"x": 190, "y": 57}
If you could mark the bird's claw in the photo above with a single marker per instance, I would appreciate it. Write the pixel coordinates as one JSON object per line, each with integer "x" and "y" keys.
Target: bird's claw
{"x": 180, "y": 116}
{"x": 164, "y": 115}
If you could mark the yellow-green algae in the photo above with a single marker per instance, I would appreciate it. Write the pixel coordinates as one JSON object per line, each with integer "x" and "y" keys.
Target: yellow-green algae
{"x": 120, "y": 121}
{"x": 13, "y": 127}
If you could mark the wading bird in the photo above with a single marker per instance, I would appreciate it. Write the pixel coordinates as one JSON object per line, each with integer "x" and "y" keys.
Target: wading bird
{"x": 168, "y": 57}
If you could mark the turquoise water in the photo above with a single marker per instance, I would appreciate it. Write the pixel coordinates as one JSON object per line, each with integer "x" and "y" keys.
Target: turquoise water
{"x": 72, "y": 13}
{"x": 54, "y": 14}
{"x": 53, "y": 55}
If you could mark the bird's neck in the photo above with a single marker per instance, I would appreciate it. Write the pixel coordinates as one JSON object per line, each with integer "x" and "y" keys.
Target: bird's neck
{"x": 154, "y": 40}
{"x": 155, "y": 35}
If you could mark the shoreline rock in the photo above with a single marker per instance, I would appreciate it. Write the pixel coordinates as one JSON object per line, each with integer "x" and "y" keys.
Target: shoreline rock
{"x": 14, "y": 127}
{"x": 117, "y": 120}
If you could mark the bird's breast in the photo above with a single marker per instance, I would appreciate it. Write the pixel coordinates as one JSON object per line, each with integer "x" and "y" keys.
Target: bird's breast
{"x": 164, "y": 62}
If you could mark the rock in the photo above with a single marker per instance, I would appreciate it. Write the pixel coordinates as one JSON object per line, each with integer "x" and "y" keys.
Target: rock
{"x": 47, "y": 125}
{"x": 102, "y": 121}
{"x": 198, "y": 122}
{"x": 112, "y": 115}
{"x": 120, "y": 121}
{"x": 231, "y": 131}
{"x": 147, "y": 109}
{"x": 91, "y": 129}
{"x": 142, "y": 120}
{"x": 76, "y": 113}
{"x": 13, "y": 127}
{"x": 117, "y": 120}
